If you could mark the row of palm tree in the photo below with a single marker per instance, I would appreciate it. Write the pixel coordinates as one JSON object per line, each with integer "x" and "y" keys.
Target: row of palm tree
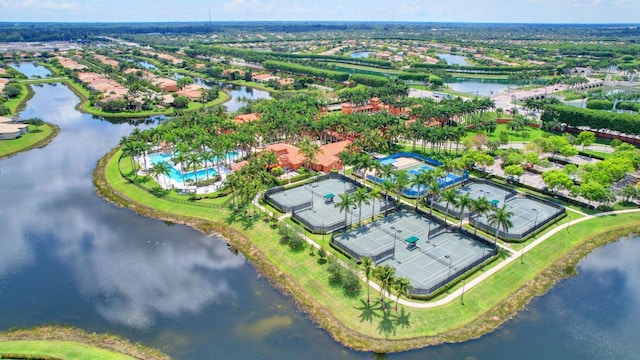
{"x": 362, "y": 196}
{"x": 386, "y": 275}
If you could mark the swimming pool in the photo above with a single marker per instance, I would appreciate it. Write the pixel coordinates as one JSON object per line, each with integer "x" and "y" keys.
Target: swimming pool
{"x": 177, "y": 176}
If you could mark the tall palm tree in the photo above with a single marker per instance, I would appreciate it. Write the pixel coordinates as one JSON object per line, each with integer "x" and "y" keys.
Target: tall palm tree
{"x": 386, "y": 275}
{"x": 434, "y": 192}
{"x": 402, "y": 286}
{"x": 361, "y": 196}
{"x": 420, "y": 181}
{"x": 194, "y": 162}
{"x": 374, "y": 195}
{"x": 161, "y": 168}
{"x": 367, "y": 266}
{"x": 481, "y": 206}
{"x": 400, "y": 182}
{"x": 345, "y": 203}
{"x": 310, "y": 150}
{"x": 450, "y": 197}
{"x": 464, "y": 202}
{"x": 181, "y": 158}
{"x": 500, "y": 218}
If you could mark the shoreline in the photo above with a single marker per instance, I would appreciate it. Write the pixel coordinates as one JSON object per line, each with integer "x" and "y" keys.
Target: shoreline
{"x": 320, "y": 314}
{"x": 110, "y": 342}
{"x": 55, "y": 130}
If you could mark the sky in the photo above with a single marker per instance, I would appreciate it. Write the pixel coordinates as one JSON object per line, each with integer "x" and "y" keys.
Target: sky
{"x": 500, "y": 11}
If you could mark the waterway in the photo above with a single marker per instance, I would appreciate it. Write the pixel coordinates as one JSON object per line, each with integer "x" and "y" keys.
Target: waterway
{"x": 453, "y": 59}
{"x": 69, "y": 257}
{"x": 479, "y": 87}
{"x": 360, "y": 54}
{"x": 31, "y": 70}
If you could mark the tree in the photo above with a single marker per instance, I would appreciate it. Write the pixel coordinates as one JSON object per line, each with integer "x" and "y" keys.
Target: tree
{"x": 421, "y": 180}
{"x": 557, "y": 180}
{"x": 514, "y": 170}
{"x": 500, "y": 218}
{"x": 585, "y": 138}
{"x": 482, "y": 206}
{"x": 403, "y": 287}
{"x": 180, "y": 102}
{"x": 367, "y": 266}
{"x": 161, "y": 168}
{"x": 464, "y": 202}
{"x": 629, "y": 192}
{"x": 374, "y": 195}
{"x": 310, "y": 150}
{"x": 37, "y": 122}
{"x": 361, "y": 196}
{"x": 400, "y": 182}
{"x": 345, "y": 203}
{"x": 184, "y": 81}
{"x": 12, "y": 91}
{"x": 593, "y": 191}
{"x": 386, "y": 275}
{"x": 450, "y": 196}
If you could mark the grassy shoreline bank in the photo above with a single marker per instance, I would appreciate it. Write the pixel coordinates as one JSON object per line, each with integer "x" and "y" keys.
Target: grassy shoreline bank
{"x": 72, "y": 343}
{"x": 486, "y": 307}
{"x": 29, "y": 141}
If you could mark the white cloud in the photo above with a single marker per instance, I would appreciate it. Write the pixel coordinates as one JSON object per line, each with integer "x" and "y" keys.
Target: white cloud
{"x": 39, "y": 5}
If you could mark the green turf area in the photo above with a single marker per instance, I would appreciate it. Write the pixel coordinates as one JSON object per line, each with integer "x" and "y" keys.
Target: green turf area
{"x": 67, "y": 350}
{"x": 486, "y": 305}
{"x": 32, "y": 139}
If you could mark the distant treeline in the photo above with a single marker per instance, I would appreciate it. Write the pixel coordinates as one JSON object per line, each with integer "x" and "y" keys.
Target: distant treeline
{"x": 484, "y": 69}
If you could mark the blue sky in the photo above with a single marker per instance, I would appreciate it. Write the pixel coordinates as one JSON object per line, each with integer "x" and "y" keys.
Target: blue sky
{"x": 531, "y": 11}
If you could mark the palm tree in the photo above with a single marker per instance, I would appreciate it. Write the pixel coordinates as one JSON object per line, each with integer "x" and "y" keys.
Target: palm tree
{"x": 367, "y": 266}
{"x": 420, "y": 181}
{"x": 434, "y": 189}
{"x": 500, "y": 218}
{"x": 450, "y": 197}
{"x": 361, "y": 196}
{"x": 400, "y": 182}
{"x": 159, "y": 169}
{"x": 481, "y": 206}
{"x": 386, "y": 275}
{"x": 181, "y": 158}
{"x": 310, "y": 150}
{"x": 194, "y": 162}
{"x": 345, "y": 203}
{"x": 403, "y": 286}
{"x": 374, "y": 195}
{"x": 464, "y": 202}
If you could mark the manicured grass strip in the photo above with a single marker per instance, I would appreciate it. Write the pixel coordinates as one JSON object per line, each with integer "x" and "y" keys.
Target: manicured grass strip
{"x": 299, "y": 274}
{"x": 33, "y": 139}
{"x": 63, "y": 342}
{"x": 67, "y": 350}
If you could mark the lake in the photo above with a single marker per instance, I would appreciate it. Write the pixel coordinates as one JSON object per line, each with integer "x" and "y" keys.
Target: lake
{"x": 360, "y": 54}
{"x": 30, "y": 69}
{"x": 69, "y": 257}
{"x": 476, "y": 86}
{"x": 453, "y": 59}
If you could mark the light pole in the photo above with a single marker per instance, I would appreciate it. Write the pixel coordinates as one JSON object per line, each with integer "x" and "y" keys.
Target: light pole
{"x": 462, "y": 296}
{"x": 535, "y": 223}
{"x": 448, "y": 275}
{"x": 395, "y": 237}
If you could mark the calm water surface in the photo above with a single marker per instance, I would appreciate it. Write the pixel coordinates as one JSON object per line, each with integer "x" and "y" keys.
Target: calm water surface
{"x": 67, "y": 256}
{"x": 453, "y": 59}
{"x": 31, "y": 69}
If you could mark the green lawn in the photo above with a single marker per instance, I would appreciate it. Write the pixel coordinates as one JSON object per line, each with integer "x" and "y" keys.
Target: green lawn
{"x": 67, "y": 350}
{"x": 486, "y": 306}
{"x": 513, "y": 136}
{"x": 32, "y": 139}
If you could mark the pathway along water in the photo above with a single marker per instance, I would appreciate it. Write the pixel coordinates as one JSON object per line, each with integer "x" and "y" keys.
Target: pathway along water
{"x": 67, "y": 256}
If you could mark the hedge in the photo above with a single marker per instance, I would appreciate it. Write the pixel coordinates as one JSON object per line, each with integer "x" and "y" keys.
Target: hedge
{"x": 370, "y": 80}
{"x": 305, "y": 70}
{"x": 594, "y": 119}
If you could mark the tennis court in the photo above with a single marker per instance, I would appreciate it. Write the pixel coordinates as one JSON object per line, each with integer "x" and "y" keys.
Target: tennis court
{"x": 415, "y": 164}
{"x": 529, "y": 214}
{"x": 476, "y": 189}
{"x": 418, "y": 247}
{"x": 314, "y": 204}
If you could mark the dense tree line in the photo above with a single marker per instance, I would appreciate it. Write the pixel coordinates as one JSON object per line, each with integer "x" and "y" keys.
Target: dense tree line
{"x": 594, "y": 119}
